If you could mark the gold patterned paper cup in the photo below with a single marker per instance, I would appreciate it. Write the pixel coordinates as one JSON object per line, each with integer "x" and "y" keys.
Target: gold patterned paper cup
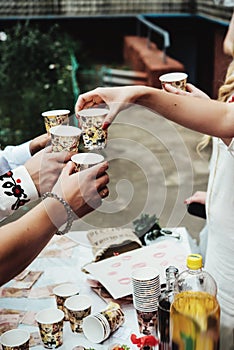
{"x": 176, "y": 79}
{"x": 78, "y": 307}
{"x": 91, "y": 121}
{"x": 15, "y": 339}
{"x": 50, "y": 323}
{"x": 55, "y": 117}
{"x": 65, "y": 138}
{"x": 86, "y": 160}
{"x": 114, "y": 315}
{"x": 62, "y": 292}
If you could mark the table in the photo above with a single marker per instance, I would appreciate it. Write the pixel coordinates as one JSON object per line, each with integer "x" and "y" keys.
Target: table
{"x": 67, "y": 268}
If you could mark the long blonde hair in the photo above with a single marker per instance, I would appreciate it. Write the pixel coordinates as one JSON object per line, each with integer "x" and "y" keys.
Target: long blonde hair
{"x": 224, "y": 93}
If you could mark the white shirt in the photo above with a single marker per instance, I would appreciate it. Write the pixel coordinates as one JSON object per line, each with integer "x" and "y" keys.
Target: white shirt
{"x": 16, "y": 185}
{"x": 220, "y": 216}
{"x": 13, "y": 156}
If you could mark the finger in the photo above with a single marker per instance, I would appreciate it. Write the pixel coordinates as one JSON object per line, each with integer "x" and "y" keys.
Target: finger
{"x": 172, "y": 89}
{"x": 68, "y": 155}
{"x": 48, "y": 149}
{"x": 67, "y": 169}
{"x": 104, "y": 192}
{"x": 97, "y": 170}
{"x": 114, "y": 110}
{"x": 190, "y": 88}
{"x": 87, "y": 100}
{"x": 63, "y": 156}
{"x": 102, "y": 181}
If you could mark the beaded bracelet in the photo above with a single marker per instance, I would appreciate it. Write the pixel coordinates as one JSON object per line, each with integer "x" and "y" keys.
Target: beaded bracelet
{"x": 70, "y": 214}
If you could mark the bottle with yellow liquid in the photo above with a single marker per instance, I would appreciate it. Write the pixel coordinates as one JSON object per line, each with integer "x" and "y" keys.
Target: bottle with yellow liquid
{"x": 195, "y": 311}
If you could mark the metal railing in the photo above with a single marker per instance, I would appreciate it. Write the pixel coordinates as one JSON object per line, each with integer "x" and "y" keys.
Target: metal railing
{"x": 152, "y": 27}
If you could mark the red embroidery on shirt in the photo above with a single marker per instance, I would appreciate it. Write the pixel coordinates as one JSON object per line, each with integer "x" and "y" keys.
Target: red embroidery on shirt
{"x": 13, "y": 189}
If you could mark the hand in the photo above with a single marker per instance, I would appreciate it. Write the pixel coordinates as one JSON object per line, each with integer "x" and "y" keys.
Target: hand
{"x": 39, "y": 143}
{"x": 45, "y": 167}
{"x": 83, "y": 190}
{"x": 116, "y": 98}
{"x": 198, "y": 197}
{"x": 191, "y": 91}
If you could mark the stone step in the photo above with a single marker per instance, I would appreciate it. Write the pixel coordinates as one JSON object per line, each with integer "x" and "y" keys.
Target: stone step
{"x": 120, "y": 77}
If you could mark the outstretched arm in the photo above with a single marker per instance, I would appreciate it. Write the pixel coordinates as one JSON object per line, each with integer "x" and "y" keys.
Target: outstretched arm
{"x": 206, "y": 116}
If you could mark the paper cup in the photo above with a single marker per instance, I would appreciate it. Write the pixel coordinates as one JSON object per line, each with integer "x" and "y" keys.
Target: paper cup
{"x": 99, "y": 326}
{"x": 96, "y": 328}
{"x": 176, "y": 79}
{"x": 78, "y": 307}
{"x": 147, "y": 322}
{"x": 86, "y": 160}
{"x": 15, "y": 339}
{"x": 91, "y": 121}
{"x": 50, "y": 322}
{"x": 55, "y": 117}
{"x": 65, "y": 138}
{"x": 62, "y": 292}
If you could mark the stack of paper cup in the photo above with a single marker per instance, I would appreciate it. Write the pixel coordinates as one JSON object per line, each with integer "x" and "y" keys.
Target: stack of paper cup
{"x": 146, "y": 288}
{"x": 98, "y": 327}
{"x": 146, "y": 291}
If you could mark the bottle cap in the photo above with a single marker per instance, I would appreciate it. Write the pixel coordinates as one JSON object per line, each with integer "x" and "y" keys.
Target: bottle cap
{"x": 194, "y": 261}
{"x": 172, "y": 270}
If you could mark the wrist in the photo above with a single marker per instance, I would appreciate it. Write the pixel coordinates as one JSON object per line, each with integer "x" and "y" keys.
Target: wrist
{"x": 59, "y": 211}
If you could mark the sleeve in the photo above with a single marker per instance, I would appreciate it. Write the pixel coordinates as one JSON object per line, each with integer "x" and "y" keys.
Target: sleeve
{"x": 231, "y": 147}
{"x": 14, "y": 156}
{"x": 16, "y": 189}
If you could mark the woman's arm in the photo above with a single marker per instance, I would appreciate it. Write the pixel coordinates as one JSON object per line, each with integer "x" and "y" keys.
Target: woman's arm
{"x": 22, "y": 240}
{"x": 205, "y": 116}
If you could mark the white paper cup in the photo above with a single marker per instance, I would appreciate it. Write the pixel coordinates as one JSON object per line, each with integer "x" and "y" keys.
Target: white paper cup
{"x": 50, "y": 322}
{"x": 91, "y": 121}
{"x": 65, "y": 138}
{"x": 55, "y": 117}
{"x": 144, "y": 274}
{"x": 86, "y": 160}
{"x": 15, "y": 339}
{"x": 62, "y": 292}
{"x": 176, "y": 79}
{"x": 78, "y": 307}
{"x": 96, "y": 328}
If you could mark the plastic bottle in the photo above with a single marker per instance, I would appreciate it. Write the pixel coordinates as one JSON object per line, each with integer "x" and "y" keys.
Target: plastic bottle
{"x": 164, "y": 305}
{"x": 195, "y": 311}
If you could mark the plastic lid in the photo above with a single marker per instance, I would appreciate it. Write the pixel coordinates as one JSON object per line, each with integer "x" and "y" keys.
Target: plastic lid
{"x": 194, "y": 261}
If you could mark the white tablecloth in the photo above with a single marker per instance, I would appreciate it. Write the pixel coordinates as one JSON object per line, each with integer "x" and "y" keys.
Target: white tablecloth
{"x": 60, "y": 270}
{"x": 68, "y": 269}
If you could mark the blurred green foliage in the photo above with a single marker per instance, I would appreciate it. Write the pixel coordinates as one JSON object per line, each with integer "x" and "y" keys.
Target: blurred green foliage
{"x": 36, "y": 73}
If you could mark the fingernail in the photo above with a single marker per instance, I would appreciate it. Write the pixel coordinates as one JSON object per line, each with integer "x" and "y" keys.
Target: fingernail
{"x": 105, "y": 125}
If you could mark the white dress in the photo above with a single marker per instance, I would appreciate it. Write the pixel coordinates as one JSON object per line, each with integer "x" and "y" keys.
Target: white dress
{"x": 220, "y": 246}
